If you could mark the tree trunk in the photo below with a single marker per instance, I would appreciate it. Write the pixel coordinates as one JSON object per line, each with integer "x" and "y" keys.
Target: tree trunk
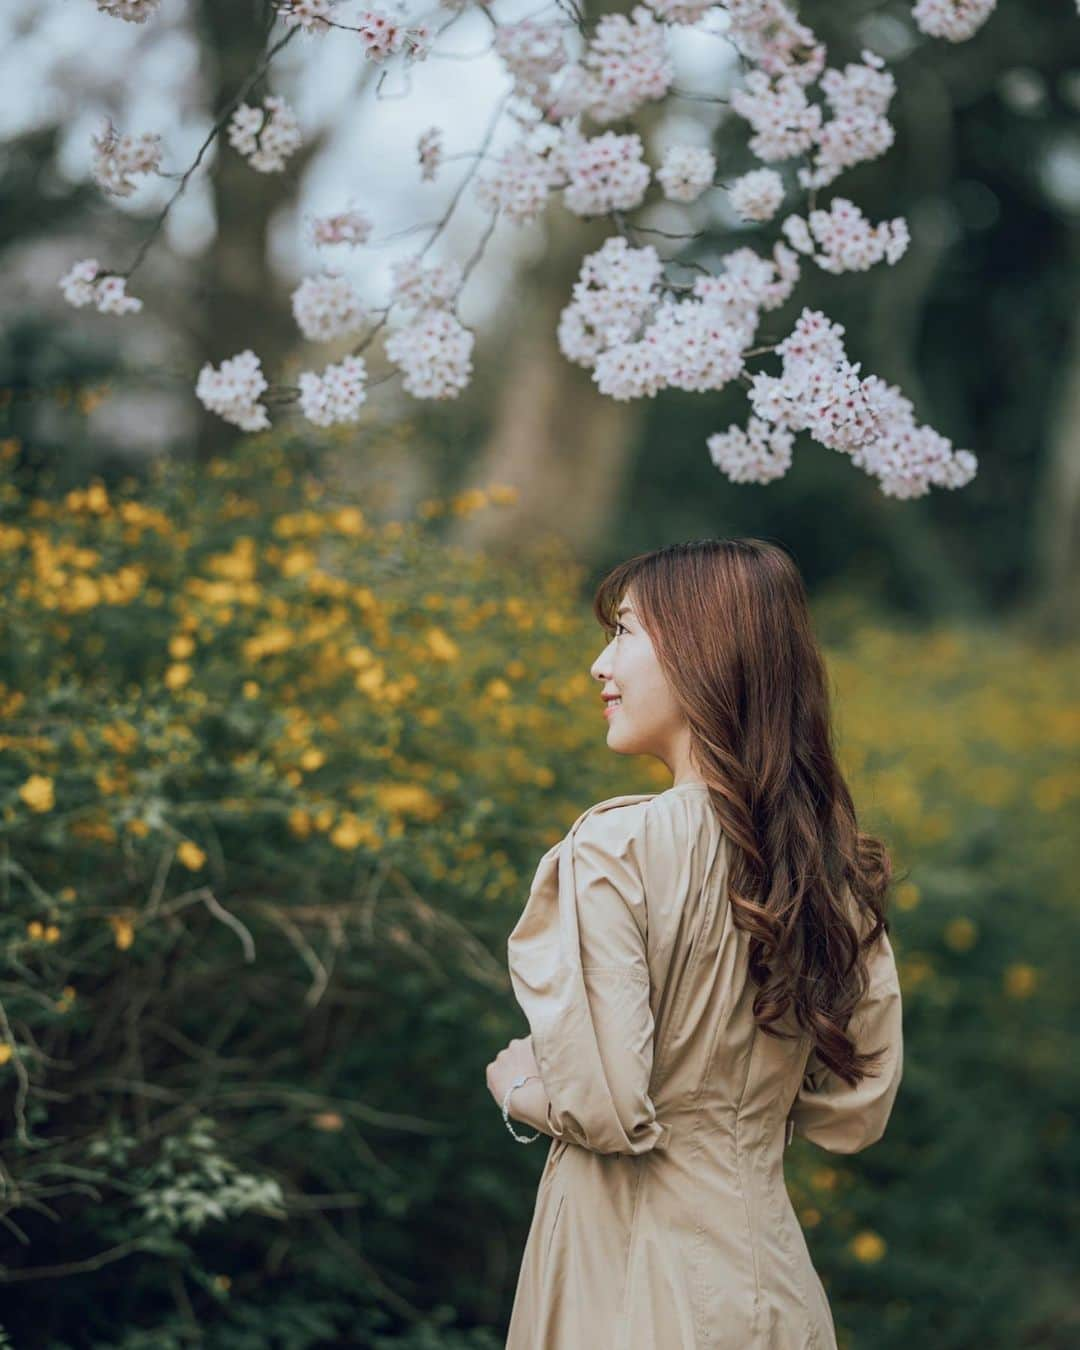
{"x": 1057, "y": 518}
{"x": 244, "y": 304}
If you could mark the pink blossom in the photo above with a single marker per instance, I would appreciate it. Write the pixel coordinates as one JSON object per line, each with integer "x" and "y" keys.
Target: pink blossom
{"x": 686, "y": 171}
{"x": 954, "y": 20}
{"x": 336, "y": 395}
{"x": 232, "y": 392}
{"x": 327, "y": 306}
{"x": 118, "y": 158}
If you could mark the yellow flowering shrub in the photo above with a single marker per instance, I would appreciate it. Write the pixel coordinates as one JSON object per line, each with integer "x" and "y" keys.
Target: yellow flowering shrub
{"x": 275, "y": 774}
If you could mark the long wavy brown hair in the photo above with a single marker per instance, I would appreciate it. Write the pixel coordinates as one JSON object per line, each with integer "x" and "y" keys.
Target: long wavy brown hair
{"x": 730, "y": 624}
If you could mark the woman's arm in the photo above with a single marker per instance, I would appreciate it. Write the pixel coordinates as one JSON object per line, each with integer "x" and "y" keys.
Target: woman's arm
{"x": 529, "y": 1104}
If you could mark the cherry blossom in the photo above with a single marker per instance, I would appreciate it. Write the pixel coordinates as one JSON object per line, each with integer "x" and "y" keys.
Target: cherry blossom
{"x": 132, "y": 11}
{"x": 327, "y": 306}
{"x": 266, "y": 136}
{"x": 605, "y": 173}
{"x": 686, "y": 171}
{"x": 954, "y": 20}
{"x": 785, "y": 122}
{"x": 757, "y": 195}
{"x": 433, "y": 353}
{"x": 847, "y": 240}
{"x": 632, "y": 319}
{"x": 336, "y": 395}
{"x": 429, "y": 151}
{"x": 118, "y": 157}
{"x": 767, "y": 33}
{"x": 628, "y": 64}
{"x": 414, "y": 286}
{"x": 313, "y": 16}
{"x": 233, "y": 391}
{"x": 532, "y": 53}
{"x": 345, "y": 227}
{"x": 87, "y": 284}
{"x": 757, "y": 455}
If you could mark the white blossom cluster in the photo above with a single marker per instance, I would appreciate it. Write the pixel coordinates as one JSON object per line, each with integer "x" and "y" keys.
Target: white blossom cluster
{"x": 431, "y": 348}
{"x": 846, "y": 239}
{"x": 429, "y": 152}
{"x": 85, "y": 284}
{"x": 954, "y": 20}
{"x": 819, "y": 391}
{"x": 384, "y": 36}
{"x": 757, "y": 195}
{"x": 627, "y": 64}
{"x": 681, "y": 12}
{"x": 336, "y": 395}
{"x": 518, "y": 183}
{"x": 638, "y": 340}
{"x": 757, "y": 455}
{"x": 785, "y": 123}
{"x": 350, "y": 227}
{"x": 233, "y": 391}
{"x": 604, "y": 173}
{"x": 858, "y": 129}
{"x": 265, "y": 136}
{"x": 686, "y": 171}
{"x": 532, "y": 53}
{"x": 767, "y": 33}
{"x": 117, "y": 158}
{"x": 326, "y": 306}
{"x": 313, "y": 16}
{"x": 132, "y": 11}
{"x": 634, "y": 328}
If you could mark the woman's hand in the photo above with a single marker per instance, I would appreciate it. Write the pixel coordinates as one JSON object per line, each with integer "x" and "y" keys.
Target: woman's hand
{"x": 513, "y": 1061}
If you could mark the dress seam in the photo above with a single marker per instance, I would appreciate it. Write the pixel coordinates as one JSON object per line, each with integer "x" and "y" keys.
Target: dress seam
{"x": 742, "y": 1185}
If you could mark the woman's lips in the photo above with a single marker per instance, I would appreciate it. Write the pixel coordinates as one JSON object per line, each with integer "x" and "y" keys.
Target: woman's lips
{"x": 611, "y": 705}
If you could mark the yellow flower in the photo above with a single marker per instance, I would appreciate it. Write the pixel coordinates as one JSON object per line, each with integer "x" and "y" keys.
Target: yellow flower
{"x": 181, "y": 646}
{"x": 907, "y": 895}
{"x": 350, "y": 832}
{"x": 52, "y": 933}
{"x": 867, "y": 1246}
{"x": 68, "y": 893}
{"x": 177, "y": 676}
{"x": 5, "y": 1052}
{"x": 123, "y": 931}
{"x": 250, "y": 689}
{"x": 329, "y": 1120}
{"x": 1020, "y": 980}
{"x": 37, "y": 792}
{"x": 138, "y": 827}
{"x": 312, "y": 759}
{"x": 960, "y": 934}
{"x": 299, "y": 822}
{"x": 498, "y": 689}
{"x": 441, "y": 645}
{"x": 191, "y": 855}
{"x": 35, "y": 930}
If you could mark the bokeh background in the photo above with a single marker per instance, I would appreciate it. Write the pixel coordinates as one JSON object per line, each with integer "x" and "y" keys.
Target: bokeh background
{"x": 287, "y": 721}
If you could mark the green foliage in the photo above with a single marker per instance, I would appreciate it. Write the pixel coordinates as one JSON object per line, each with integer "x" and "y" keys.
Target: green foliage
{"x": 273, "y": 782}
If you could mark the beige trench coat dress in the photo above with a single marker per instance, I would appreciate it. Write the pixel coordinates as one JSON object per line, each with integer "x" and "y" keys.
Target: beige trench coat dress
{"x": 662, "y": 1221}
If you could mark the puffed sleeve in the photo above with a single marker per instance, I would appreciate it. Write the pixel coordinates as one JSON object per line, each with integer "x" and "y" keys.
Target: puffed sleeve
{"x": 846, "y": 1119}
{"x": 579, "y": 969}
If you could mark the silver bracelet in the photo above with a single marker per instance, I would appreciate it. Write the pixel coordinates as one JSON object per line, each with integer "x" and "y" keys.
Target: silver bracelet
{"x": 521, "y": 1138}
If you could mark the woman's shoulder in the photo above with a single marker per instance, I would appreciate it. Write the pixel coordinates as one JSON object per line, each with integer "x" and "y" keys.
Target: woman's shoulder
{"x": 657, "y": 820}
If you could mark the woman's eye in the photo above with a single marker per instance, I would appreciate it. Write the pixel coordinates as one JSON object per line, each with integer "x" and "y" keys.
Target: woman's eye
{"x": 622, "y": 626}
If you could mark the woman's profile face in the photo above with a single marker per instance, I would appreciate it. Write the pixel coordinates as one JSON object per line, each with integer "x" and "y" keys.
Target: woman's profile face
{"x": 646, "y": 720}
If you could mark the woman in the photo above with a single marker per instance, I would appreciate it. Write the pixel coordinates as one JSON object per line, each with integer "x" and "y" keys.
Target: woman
{"x": 704, "y": 971}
